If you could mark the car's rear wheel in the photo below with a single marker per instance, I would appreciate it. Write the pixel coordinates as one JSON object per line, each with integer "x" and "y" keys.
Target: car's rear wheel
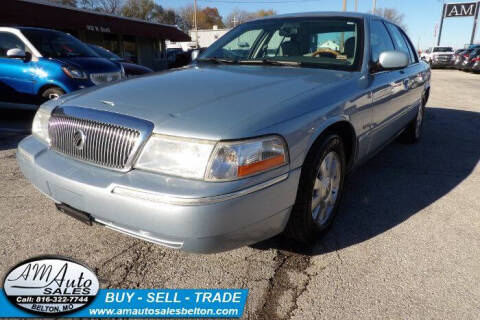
{"x": 319, "y": 191}
{"x": 413, "y": 131}
{"x": 51, "y": 93}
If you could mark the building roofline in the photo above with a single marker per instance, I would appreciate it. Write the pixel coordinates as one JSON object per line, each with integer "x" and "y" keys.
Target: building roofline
{"x": 59, "y": 5}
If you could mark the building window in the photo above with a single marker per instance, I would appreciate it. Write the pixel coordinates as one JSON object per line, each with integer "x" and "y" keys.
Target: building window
{"x": 130, "y": 48}
{"x": 111, "y": 42}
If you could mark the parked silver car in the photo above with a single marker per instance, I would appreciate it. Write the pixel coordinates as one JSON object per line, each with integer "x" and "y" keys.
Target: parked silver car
{"x": 253, "y": 138}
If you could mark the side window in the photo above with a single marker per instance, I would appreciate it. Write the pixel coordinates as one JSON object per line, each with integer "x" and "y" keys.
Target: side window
{"x": 398, "y": 39}
{"x": 380, "y": 40}
{"x": 272, "y": 48}
{"x": 9, "y": 41}
{"x": 411, "y": 49}
{"x": 240, "y": 47}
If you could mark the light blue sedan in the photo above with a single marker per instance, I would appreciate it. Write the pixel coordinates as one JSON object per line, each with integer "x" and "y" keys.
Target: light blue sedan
{"x": 252, "y": 139}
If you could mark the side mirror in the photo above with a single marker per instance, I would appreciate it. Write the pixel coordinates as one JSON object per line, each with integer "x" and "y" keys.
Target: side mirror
{"x": 16, "y": 54}
{"x": 391, "y": 60}
{"x": 195, "y": 54}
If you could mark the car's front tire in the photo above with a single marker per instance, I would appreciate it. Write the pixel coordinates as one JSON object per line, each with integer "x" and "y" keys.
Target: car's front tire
{"x": 319, "y": 191}
{"x": 51, "y": 93}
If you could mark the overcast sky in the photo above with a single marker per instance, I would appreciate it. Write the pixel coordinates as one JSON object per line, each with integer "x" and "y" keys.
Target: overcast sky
{"x": 421, "y": 16}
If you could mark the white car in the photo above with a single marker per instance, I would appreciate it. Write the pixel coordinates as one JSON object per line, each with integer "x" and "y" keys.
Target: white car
{"x": 438, "y": 56}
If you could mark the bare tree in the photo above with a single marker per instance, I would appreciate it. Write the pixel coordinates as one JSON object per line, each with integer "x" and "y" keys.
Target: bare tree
{"x": 238, "y": 16}
{"x": 391, "y": 14}
{"x": 109, "y": 6}
{"x": 186, "y": 13}
{"x": 71, "y": 3}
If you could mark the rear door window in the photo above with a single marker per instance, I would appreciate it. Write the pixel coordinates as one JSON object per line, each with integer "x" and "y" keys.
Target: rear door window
{"x": 399, "y": 40}
{"x": 380, "y": 40}
{"x": 413, "y": 55}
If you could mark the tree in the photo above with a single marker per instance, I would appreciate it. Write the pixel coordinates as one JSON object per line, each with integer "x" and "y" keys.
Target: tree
{"x": 141, "y": 9}
{"x": 71, "y": 3}
{"x": 110, "y": 6}
{"x": 265, "y": 13}
{"x": 391, "y": 14}
{"x": 238, "y": 16}
{"x": 169, "y": 16}
{"x": 206, "y": 18}
{"x": 186, "y": 15}
{"x": 209, "y": 17}
{"x": 107, "y": 6}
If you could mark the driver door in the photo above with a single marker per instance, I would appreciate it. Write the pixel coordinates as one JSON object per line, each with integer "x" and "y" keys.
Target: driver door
{"x": 388, "y": 90}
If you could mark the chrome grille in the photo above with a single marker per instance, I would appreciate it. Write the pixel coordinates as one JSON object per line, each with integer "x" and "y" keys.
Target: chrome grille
{"x": 102, "y": 138}
{"x": 99, "y": 78}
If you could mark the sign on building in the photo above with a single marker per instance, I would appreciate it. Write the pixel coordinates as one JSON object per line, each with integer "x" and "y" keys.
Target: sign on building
{"x": 461, "y": 9}
{"x": 465, "y": 9}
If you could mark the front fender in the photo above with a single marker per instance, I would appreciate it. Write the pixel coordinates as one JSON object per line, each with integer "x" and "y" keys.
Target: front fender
{"x": 321, "y": 127}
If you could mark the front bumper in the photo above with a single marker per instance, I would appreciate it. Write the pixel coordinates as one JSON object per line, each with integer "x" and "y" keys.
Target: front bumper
{"x": 188, "y": 215}
{"x": 441, "y": 63}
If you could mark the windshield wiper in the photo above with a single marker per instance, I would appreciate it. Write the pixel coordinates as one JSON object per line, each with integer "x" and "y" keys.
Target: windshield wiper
{"x": 270, "y": 62}
{"x": 217, "y": 60}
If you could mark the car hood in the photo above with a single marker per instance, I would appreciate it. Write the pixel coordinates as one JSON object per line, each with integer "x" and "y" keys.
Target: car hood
{"x": 91, "y": 64}
{"x": 135, "y": 69}
{"x": 215, "y": 102}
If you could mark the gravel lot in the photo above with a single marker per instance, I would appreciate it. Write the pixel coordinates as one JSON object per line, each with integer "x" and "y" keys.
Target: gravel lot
{"x": 406, "y": 243}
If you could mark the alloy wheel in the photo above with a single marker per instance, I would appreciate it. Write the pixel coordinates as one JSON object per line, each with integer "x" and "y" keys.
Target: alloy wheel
{"x": 326, "y": 188}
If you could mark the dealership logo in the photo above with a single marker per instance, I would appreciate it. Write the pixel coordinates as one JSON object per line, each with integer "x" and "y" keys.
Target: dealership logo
{"x": 51, "y": 285}
{"x": 461, "y": 9}
{"x": 79, "y": 139}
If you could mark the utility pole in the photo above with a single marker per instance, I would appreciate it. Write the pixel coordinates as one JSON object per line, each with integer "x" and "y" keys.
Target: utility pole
{"x": 374, "y": 6}
{"x": 195, "y": 26}
{"x": 356, "y": 5}
{"x": 344, "y": 5}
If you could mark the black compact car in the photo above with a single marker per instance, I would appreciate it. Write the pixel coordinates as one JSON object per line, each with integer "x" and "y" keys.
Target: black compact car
{"x": 472, "y": 63}
{"x": 131, "y": 69}
{"x": 459, "y": 61}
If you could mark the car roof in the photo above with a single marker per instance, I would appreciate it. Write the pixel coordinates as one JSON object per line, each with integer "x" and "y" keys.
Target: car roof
{"x": 37, "y": 28}
{"x": 323, "y": 14}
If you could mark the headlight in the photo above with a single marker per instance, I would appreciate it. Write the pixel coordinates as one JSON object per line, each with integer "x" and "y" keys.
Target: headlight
{"x": 239, "y": 159}
{"x": 40, "y": 125}
{"x": 176, "y": 156}
{"x": 207, "y": 160}
{"x": 74, "y": 73}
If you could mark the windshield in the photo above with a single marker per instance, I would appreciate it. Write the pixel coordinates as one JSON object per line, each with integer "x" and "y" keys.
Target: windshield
{"x": 442, "y": 49}
{"x": 53, "y": 44}
{"x": 102, "y": 52}
{"x": 332, "y": 43}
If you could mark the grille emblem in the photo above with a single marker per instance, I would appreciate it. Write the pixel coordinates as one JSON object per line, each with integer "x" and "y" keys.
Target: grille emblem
{"x": 79, "y": 139}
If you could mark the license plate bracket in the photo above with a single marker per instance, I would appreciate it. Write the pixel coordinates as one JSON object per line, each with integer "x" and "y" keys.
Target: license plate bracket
{"x": 74, "y": 213}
